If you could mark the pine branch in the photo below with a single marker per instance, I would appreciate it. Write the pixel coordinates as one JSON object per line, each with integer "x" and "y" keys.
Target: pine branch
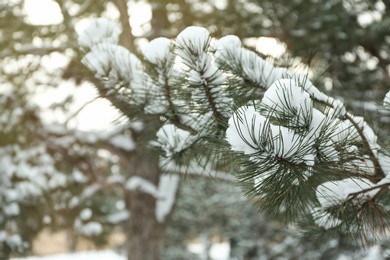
{"x": 68, "y": 19}
{"x": 379, "y": 174}
{"x": 212, "y": 104}
{"x": 34, "y": 50}
{"x": 174, "y": 116}
{"x": 84, "y": 7}
{"x": 353, "y": 195}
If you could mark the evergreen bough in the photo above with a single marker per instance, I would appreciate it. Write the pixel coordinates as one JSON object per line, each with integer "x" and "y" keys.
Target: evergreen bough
{"x": 220, "y": 106}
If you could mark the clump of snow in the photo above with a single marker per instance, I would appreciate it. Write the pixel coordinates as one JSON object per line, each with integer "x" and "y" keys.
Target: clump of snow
{"x": 316, "y": 94}
{"x": 192, "y": 38}
{"x": 123, "y": 142}
{"x": 335, "y": 193}
{"x": 86, "y": 214}
{"x": 136, "y": 183}
{"x": 204, "y": 76}
{"x": 287, "y": 100}
{"x": 158, "y": 51}
{"x": 172, "y": 139}
{"x": 118, "y": 217}
{"x": 246, "y": 127}
{"x": 119, "y": 70}
{"x": 99, "y": 30}
{"x": 324, "y": 219}
{"x": 95, "y": 255}
{"x": 165, "y": 194}
{"x": 47, "y": 219}
{"x": 91, "y": 228}
{"x": 225, "y": 45}
{"x": 78, "y": 176}
{"x": 167, "y": 189}
{"x": 250, "y": 132}
{"x": 230, "y": 54}
{"x": 11, "y": 209}
{"x": 386, "y": 101}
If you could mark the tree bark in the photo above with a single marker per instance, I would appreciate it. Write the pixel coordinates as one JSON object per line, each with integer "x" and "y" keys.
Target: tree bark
{"x": 127, "y": 38}
{"x": 144, "y": 233}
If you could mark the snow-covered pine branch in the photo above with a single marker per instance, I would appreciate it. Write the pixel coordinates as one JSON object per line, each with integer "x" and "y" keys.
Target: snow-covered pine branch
{"x": 205, "y": 79}
{"x": 255, "y": 72}
{"x": 291, "y": 141}
{"x": 118, "y": 70}
{"x": 288, "y": 144}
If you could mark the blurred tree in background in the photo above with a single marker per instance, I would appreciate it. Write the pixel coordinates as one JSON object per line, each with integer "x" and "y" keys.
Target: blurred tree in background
{"x": 66, "y": 178}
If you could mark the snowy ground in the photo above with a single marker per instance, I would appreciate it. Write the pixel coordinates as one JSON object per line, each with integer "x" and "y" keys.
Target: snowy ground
{"x": 95, "y": 255}
{"x": 218, "y": 252}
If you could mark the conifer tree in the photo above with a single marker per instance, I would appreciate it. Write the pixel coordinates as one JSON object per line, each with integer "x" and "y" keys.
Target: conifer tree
{"x": 206, "y": 102}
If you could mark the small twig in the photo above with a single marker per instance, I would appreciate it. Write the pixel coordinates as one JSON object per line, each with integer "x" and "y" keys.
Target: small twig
{"x": 355, "y": 194}
{"x": 175, "y": 118}
{"x": 34, "y": 50}
{"x": 127, "y": 38}
{"x": 378, "y": 169}
{"x": 79, "y": 110}
{"x": 83, "y": 8}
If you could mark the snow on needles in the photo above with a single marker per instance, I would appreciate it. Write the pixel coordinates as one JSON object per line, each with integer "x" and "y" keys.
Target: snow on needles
{"x": 245, "y": 129}
{"x": 192, "y": 41}
{"x": 99, "y": 30}
{"x": 118, "y": 69}
{"x": 158, "y": 51}
{"x": 287, "y": 99}
{"x": 250, "y": 131}
{"x": 172, "y": 139}
{"x": 334, "y": 193}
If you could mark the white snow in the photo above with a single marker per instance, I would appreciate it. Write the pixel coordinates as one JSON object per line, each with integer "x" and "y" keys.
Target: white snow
{"x": 90, "y": 190}
{"x": 250, "y": 132}
{"x": 199, "y": 167}
{"x": 386, "y": 101}
{"x": 112, "y": 60}
{"x": 11, "y": 209}
{"x": 334, "y": 193}
{"x": 91, "y": 228}
{"x": 99, "y": 30}
{"x": 158, "y": 51}
{"x": 255, "y": 68}
{"x": 14, "y": 241}
{"x": 192, "y": 38}
{"x": 165, "y": 193}
{"x": 225, "y": 46}
{"x": 86, "y": 214}
{"x": 118, "y": 217}
{"x": 78, "y": 176}
{"x": 324, "y": 219}
{"x": 284, "y": 98}
{"x": 123, "y": 142}
{"x": 218, "y": 251}
{"x": 119, "y": 70}
{"x": 167, "y": 189}
{"x": 136, "y": 183}
{"x": 173, "y": 139}
{"x": 245, "y": 129}
{"x": 93, "y": 255}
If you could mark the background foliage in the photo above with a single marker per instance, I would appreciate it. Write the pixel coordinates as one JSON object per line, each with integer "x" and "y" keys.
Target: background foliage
{"x": 344, "y": 43}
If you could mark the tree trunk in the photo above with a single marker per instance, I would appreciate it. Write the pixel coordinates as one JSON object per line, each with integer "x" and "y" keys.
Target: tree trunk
{"x": 144, "y": 233}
